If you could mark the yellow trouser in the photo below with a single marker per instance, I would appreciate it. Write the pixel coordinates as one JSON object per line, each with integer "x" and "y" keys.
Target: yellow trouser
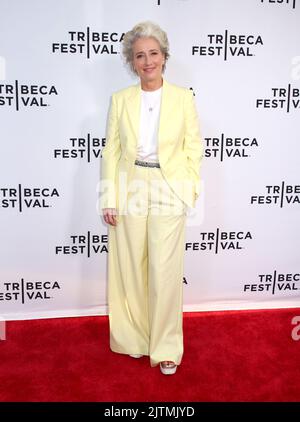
{"x": 145, "y": 271}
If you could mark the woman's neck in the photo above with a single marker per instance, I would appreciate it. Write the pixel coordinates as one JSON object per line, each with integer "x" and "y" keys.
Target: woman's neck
{"x": 151, "y": 85}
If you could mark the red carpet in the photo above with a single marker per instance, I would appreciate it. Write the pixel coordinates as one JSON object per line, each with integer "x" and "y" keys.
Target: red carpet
{"x": 229, "y": 356}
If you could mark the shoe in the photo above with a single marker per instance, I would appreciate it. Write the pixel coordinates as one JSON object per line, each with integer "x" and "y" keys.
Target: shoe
{"x": 136, "y": 356}
{"x": 168, "y": 368}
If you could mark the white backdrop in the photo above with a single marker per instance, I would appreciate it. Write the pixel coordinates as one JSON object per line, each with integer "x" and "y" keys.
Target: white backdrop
{"x": 59, "y": 64}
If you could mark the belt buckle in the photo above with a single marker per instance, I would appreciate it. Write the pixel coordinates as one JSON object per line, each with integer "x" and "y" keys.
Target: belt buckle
{"x": 146, "y": 163}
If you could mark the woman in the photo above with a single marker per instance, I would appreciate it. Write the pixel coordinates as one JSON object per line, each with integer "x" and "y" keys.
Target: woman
{"x": 150, "y": 174}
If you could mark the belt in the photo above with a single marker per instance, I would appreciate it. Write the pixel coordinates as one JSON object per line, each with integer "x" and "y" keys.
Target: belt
{"x": 146, "y": 163}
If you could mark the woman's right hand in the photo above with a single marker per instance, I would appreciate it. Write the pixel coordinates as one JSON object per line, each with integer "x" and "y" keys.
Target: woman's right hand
{"x": 110, "y": 216}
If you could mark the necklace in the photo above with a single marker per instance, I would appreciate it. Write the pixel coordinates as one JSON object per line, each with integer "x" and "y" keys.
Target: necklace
{"x": 151, "y": 105}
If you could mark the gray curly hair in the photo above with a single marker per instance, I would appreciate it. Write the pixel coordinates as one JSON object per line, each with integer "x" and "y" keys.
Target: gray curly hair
{"x": 144, "y": 29}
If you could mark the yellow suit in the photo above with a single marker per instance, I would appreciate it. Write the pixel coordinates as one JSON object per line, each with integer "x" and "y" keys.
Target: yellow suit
{"x": 146, "y": 250}
{"x": 179, "y": 143}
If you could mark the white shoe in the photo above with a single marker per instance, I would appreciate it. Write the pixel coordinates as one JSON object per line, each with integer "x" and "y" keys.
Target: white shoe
{"x": 168, "y": 368}
{"x": 136, "y": 356}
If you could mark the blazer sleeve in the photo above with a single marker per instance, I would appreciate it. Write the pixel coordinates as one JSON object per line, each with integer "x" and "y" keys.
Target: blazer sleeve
{"x": 193, "y": 145}
{"x": 111, "y": 154}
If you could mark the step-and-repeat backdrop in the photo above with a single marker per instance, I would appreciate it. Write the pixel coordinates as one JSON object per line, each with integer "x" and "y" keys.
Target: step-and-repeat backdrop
{"x": 59, "y": 64}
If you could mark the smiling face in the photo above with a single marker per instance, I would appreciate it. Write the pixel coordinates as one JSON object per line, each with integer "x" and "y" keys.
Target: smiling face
{"x": 148, "y": 59}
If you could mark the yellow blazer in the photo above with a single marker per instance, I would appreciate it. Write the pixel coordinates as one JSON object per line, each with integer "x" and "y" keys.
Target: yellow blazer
{"x": 180, "y": 147}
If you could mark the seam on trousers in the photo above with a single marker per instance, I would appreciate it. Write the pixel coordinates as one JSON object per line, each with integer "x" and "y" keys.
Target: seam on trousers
{"x": 180, "y": 316}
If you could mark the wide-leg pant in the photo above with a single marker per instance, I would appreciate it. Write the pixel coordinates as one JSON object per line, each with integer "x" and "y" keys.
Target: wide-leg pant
{"x": 145, "y": 271}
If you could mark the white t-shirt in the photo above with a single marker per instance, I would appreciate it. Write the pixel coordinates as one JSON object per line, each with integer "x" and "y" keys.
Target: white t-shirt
{"x": 147, "y": 148}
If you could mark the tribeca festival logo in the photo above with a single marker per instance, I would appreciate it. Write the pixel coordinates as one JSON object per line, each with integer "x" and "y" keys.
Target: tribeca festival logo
{"x": 282, "y": 98}
{"x": 226, "y": 148}
{"x": 84, "y": 244}
{"x": 219, "y": 241}
{"x": 280, "y": 195}
{"x": 24, "y": 291}
{"x": 159, "y": 2}
{"x": 24, "y": 96}
{"x": 87, "y": 148}
{"x": 291, "y": 3}
{"x": 273, "y": 283}
{"x": 89, "y": 43}
{"x": 21, "y": 197}
{"x": 228, "y": 45}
